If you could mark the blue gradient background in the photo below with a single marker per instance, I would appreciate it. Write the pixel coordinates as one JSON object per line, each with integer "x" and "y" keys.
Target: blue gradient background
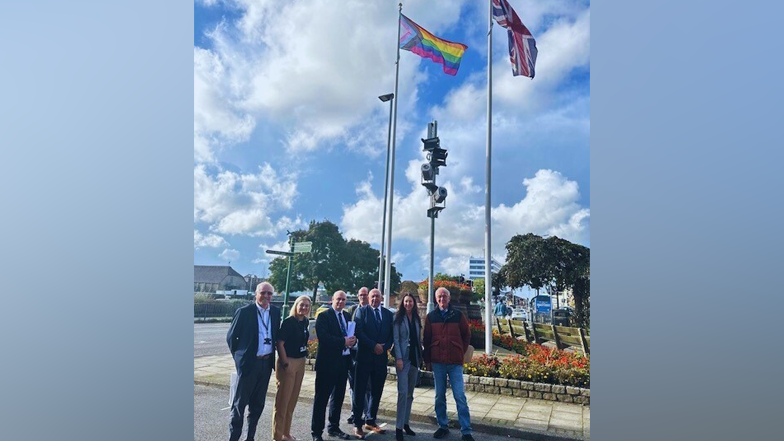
{"x": 686, "y": 220}
{"x": 96, "y": 117}
{"x": 96, "y": 131}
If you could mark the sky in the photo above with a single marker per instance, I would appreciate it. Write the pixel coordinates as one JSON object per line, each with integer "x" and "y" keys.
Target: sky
{"x": 288, "y": 128}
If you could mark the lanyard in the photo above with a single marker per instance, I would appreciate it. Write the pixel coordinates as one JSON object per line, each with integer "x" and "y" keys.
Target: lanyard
{"x": 266, "y": 325}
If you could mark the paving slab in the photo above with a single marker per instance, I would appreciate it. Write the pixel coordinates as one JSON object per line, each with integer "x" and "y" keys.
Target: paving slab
{"x": 528, "y": 418}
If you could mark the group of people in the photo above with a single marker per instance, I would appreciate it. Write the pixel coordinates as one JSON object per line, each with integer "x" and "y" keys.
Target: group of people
{"x": 353, "y": 347}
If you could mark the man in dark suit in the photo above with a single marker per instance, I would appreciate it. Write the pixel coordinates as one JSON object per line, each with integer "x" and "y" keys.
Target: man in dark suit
{"x": 333, "y": 361}
{"x": 252, "y": 338}
{"x": 374, "y": 334}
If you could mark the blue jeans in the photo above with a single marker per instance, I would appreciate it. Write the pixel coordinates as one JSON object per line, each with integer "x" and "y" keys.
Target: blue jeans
{"x": 455, "y": 373}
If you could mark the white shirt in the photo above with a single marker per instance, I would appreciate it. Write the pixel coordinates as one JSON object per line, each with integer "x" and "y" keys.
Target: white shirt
{"x": 265, "y": 330}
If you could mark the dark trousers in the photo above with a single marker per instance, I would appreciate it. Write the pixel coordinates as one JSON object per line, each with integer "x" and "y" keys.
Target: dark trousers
{"x": 351, "y": 385}
{"x": 251, "y": 392}
{"x": 329, "y": 382}
{"x": 374, "y": 370}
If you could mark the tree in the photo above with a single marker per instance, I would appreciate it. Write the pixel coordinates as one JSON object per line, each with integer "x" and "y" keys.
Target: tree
{"x": 363, "y": 267}
{"x": 333, "y": 261}
{"x": 554, "y": 263}
{"x": 499, "y": 282}
{"x": 527, "y": 262}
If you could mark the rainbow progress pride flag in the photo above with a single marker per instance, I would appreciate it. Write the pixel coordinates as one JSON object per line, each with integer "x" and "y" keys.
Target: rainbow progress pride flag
{"x": 418, "y": 40}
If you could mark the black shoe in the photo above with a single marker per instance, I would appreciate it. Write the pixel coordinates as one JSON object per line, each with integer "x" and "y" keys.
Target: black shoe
{"x": 467, "y": 438}
{"x": 398, "y": 435}
{"x": 441, "y": 432}
{"x": 407, "y": 429}
{"x": 317, "y": 438}
{"x": 339, "y": 433}
{"x": 350, "y": 420}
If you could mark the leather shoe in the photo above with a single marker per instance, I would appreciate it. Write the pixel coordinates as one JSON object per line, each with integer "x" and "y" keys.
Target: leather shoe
{"x": 441, "y": 432}
{"x": 407, "y": 429}
{"x": 467, "y": 438}
{"x": 399, "y": 435}
{"x": 375, "y": 429}
{"x": 339, "y": 433}
{"x": 317, "y": 438}
{"x": 359, "y": 433}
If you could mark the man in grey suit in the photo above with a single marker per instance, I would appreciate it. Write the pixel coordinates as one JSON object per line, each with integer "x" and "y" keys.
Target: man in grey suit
{"x": 252, "y": 338}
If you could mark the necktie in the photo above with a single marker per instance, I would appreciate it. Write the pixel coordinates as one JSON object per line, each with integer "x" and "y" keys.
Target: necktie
{"x": 342, "y": 326}
{"x": 378, "y": 318}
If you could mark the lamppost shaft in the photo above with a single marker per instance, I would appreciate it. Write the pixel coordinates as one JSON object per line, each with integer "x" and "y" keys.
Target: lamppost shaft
{"x": 285, "y": 310}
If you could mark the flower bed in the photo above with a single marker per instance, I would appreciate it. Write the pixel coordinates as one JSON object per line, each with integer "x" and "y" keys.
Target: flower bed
{"x": 543, "y": 373}
{"x": 541, "y": 365}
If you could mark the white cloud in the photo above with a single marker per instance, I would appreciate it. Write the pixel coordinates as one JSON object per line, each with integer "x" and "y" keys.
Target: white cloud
{"x": 239, "y": 203}
{"x": 454, "y": 265}
{"x": 316, "y": 83}
{"x": 217, "y": 120}
{"x": 210, "y": 240}
{"x": 230, "y": 255}
{"x": 549, "y": 206}
{"x": 264, "y": 258}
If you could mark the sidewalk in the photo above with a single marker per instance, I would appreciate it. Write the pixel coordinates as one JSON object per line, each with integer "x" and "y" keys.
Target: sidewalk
{"x": 527, "y": 418}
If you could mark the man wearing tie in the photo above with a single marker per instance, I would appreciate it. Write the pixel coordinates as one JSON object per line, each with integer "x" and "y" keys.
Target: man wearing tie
{"x": 374, "y": 334}
{"x": 252, "y": 338}
{"x": 333, "y": 361}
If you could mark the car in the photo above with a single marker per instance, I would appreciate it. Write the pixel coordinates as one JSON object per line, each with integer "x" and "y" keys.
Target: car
{"x": 519, "y": 314}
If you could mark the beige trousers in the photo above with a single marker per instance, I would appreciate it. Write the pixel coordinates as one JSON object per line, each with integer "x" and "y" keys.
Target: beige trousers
{"x": 289, "y": 381}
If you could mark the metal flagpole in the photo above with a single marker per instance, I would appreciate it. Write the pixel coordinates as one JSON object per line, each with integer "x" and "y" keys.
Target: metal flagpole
{"x": 384, "y": 220}
{"x": 488, "y": 254}
{"x": 388, "y": 272}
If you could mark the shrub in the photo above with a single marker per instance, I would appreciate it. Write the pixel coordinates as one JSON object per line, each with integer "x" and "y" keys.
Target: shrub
{"x": 483, "y": 366}
{"x": 548, "y": 365}
{"x": 509, "y": 342}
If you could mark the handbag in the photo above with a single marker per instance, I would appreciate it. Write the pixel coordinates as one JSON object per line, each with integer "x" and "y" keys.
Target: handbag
{"x": 469, "y": 354}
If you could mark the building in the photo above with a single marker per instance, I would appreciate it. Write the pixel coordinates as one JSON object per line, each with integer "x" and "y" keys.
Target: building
{"x": 213, "y": 278}
{"x": 252, "y": 281}
{"x": 476, "y": 267}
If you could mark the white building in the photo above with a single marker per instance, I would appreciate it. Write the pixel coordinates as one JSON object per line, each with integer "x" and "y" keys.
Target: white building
{"x": 476, "y": 267}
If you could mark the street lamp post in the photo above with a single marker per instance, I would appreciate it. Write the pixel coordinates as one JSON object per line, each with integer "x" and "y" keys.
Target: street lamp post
{"x": 384, "y": 98}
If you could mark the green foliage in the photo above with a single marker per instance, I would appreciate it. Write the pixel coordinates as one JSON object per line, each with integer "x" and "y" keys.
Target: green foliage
{"x": 483, "y": 366}
{"x": 499, "y": 281}
{"x": 333, "y": 261}
{"x": 552, "y": 263}
{"x": 439, "y": 277}
{"x": 202, "y": 297}
{"x": 479, "y": 286}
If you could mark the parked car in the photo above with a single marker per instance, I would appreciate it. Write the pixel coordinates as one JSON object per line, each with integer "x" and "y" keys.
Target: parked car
{"x": 562, "y": 317}
{"x": 519, "y": 314}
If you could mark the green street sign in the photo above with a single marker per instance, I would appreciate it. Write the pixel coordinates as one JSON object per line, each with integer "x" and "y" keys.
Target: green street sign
{"x": 303, "y": 247}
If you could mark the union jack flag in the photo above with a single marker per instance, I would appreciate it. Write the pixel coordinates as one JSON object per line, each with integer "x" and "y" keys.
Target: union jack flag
{"x": 522, "y": 46}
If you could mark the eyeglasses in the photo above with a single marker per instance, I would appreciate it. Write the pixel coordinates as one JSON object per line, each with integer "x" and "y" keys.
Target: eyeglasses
{"x": 269, "y": 293}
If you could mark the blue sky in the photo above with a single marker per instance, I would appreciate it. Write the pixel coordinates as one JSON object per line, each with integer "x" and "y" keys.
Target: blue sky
{"x": 288, "y": 128}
